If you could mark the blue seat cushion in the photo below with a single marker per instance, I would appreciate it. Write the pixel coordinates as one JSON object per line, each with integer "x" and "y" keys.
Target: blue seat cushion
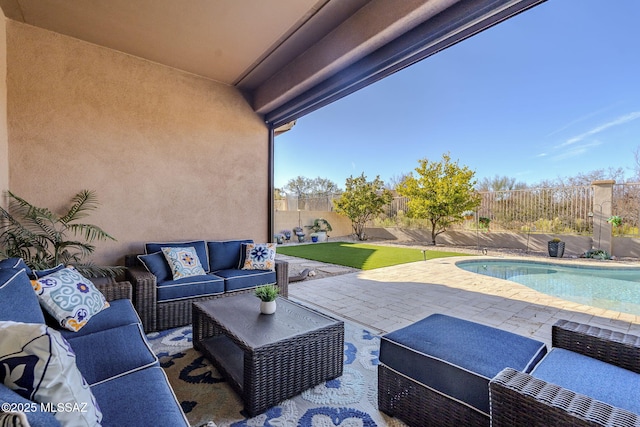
{"x": 17, "y": 264}
{"x": 37, "y": 417}
{"x": 122, "y": 398}
{"x": 591, "y": 377}
{"x": 199, "y": 245}
{"x": 18, "y": 300}
{"x": 107, "y": 354}
{"x": 235, "y": 279}
{"x": 189, "y": 287}
{"x": 224, "y": 255}
{"x": 456, "y": 357}
{"x": 119, "y": 313}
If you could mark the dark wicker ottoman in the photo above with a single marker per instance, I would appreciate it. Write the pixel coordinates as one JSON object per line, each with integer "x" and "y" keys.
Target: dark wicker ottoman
{"x": 436, "y": 372}
{"x": 268, "y": 358}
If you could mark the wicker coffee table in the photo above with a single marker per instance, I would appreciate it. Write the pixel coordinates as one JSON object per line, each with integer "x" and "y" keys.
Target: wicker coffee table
{"x": 268, "y": 358}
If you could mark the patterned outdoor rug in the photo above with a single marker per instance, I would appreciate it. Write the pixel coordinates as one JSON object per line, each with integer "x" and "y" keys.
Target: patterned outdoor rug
{"x": 348, "y": 401}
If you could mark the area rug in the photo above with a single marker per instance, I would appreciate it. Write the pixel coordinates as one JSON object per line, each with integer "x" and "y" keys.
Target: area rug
{"x": 205, "y": 396}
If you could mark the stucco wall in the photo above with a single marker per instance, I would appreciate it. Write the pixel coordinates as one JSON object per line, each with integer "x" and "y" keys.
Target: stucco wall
{"x": 171, "y": 155}
{"x": 4, "y": 143}
{"x": 286, "y": 220}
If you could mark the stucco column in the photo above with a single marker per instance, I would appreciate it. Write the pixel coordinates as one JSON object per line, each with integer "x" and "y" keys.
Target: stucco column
{"x": 602, "y": 207}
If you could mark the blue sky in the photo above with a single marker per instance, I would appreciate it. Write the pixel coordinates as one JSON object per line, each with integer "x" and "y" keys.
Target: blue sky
{"x": 550, "y": 93}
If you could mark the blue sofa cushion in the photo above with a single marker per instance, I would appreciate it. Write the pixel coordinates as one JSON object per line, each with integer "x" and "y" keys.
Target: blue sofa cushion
{"x": 18, "y": 301}
{"x": 17, "y": 264}
{"x": 224, "y": 255}
{"x": 121, "y": 400}
{"x": 189, "y": 287}
{"x": 456, "y": 357}
{"x": 242, "y": 279}
{"x": 199, "y": 245}
{"x": 120, "y": 313}
{"x": 156, "y": 264}
{"x": 594, "y": 378}
{"x": 111, "y": 353}
{"x": 37, "y": 274}
{"x": 35, "y": 416}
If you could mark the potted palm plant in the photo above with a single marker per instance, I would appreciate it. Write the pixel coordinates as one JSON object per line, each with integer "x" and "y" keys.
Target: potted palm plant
{"x": 555, "y": 248}
{"x": 267, "y": 295}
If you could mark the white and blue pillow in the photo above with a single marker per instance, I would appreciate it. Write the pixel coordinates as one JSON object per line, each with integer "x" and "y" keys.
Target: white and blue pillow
{"x": 69, "y": 297}
{"x": 259, "y": 256}
{"x": 38, "y": 364}
{"x": 183, "y": 262}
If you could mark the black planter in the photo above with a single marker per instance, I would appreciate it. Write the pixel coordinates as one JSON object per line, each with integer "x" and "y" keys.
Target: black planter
{"x": 556, "y": 249}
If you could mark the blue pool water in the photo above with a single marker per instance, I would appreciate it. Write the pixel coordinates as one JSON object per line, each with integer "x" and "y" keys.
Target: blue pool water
{"x": 610, "y": 288}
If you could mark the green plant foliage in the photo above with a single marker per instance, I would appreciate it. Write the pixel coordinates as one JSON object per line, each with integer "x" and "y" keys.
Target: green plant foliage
{"x": 320, "y": 224}
{"x": 440, "y": 193}
{"x": 361, "y": 201}
{"x": 267, "y": 292}
{"x": 597, "y": 254}
{"x": 41, "y": 237}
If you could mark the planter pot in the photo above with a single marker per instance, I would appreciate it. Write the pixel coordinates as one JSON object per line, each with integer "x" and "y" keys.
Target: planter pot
{"x": 314, "y": 239}
{"x": 322, "y": 236}
{"x": 556, "y": 249}
{"x": 267, "y": 307}
{"x": 300, "y": 238}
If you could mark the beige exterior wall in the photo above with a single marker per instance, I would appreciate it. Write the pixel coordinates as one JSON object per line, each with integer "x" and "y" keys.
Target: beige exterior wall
{"x": 171, "y": 155}
{"x": 4, "y": 142}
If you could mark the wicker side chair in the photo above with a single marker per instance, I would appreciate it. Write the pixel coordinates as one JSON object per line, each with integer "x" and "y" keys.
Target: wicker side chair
{"x": 519, "y": 399}
{"x": 158, "y": 316}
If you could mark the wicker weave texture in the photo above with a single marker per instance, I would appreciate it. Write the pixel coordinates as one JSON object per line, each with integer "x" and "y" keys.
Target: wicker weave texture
{"x": 116, "y": 290}
{"x": 158, "y": 316}
{"x": 603, "y": 344}
{"x": 279, "y": 370}
{"x": 419, "y": 406}
{"x": 520, "y": 400}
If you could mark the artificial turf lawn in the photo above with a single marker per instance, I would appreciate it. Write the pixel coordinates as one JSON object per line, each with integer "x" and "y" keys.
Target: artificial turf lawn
{"x": 360, "y": 255}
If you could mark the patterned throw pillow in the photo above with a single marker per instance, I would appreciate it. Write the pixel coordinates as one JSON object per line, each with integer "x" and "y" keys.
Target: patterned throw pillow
{"x": 69, "y": 297}
{"x": 38, "y": 364}
{"x": 183, "y": 262}
{"x": 259, "y": 256}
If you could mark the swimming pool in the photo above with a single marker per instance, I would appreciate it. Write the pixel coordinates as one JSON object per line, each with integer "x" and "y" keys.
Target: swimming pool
{"x": 604, "y": 287}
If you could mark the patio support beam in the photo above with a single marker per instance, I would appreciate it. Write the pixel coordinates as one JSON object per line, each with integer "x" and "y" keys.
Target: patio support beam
{"x": 457, "y": 22}
{"x": 271, "y": 185}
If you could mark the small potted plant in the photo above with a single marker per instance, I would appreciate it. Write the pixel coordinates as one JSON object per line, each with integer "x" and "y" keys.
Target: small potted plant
{"x": 286, "y": 234}
{"x": 314, "y": 237}
{"x": 555, "y": 247}
{"x": 279, "y": 238}
{"x": 468, "y": 215}
{"x": 320, "y": 228}
{"x": 267, "y": 295}
{"x": 299, "y": 233}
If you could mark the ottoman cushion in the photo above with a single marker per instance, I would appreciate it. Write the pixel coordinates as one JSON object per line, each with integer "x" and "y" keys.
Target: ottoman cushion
{"x": 456, "y": 357}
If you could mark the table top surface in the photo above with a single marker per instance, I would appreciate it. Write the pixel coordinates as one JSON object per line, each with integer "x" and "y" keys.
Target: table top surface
{"x": 240, "y": 316}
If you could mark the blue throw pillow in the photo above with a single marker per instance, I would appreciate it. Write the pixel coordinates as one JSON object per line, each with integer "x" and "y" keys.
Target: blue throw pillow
{"x": 199, "y": 245}
{"x": 157, "y": 265}
{"x": 18, "y": 301}
{"x": 224, "y": 255}
{"x": 16, "y": 263}
{"x": 41, "y": 273}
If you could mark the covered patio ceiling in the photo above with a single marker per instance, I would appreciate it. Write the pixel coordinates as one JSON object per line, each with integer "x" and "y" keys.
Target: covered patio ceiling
{"x": 289, "y": 57}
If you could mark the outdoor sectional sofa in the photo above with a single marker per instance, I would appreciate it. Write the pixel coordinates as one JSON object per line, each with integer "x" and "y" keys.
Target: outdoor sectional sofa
{"x": 446, "y": 371}
{"x": 164, "y": 302}
{"x": 109, "y": 355}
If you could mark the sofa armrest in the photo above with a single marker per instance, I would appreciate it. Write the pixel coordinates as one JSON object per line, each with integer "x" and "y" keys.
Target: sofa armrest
{"x": 116, "y": 290}
{"x": 144, "y": 296}
{"x": 282, "y": 277}
{"x": 520, "y": 400}
{"x": 612, "y": 347}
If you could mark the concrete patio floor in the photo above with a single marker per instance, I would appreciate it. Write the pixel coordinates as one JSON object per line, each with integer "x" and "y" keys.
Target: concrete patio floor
{"x": 389, "y": 298}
